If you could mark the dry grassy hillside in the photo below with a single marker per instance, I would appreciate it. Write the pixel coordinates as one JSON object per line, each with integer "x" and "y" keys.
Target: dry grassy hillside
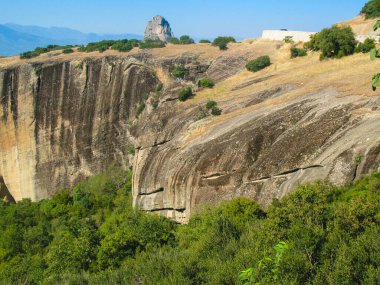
{"x": 361, "y": 26}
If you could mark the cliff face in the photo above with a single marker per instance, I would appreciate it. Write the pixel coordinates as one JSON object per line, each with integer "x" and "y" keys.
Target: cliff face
{"x": 294, "y": 122}
{"x": 64, "y": 121}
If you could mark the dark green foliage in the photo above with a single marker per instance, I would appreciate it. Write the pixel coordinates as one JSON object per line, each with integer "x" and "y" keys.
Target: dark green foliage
{"x": 206, "y": 83}
{"x": 123, "y": 46}
{"x": 95, "y": 237}
{"x": 215, "y": 111}
{"x": 367, "y": 46}
{"x": 185, "y": 93}
{"x": 146, "y": 44}
{"x": 174, "y": 41}
{"x": 258, "y": 63}
{"x": 95, "y": 228}
{"x": 97, "y": 46}
{"x": 288, "y": 40}
{"x": 204, "y": 42}
{"x": 222, "y": 42}
{"x": 186, "y": 40}
{"x": 41, "y": 50}
{"x": 68, "y": 50}
{"x": 371, "y": 9}
{"x": 211, "y": 104}
{"x": 140, "y": 109}
{"x": 180, "y": 72}
{"x": 334, "y": 42}
{"x": 297, "y": 52}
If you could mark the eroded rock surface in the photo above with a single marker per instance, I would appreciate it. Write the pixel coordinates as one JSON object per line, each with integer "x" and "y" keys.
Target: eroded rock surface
{"x": 295, "y": 122}
{"x": 158, "y": 29}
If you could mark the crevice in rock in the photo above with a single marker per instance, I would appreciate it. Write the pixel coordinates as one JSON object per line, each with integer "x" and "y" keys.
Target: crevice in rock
{"x": 159, "y": 190}
{"x": 297, "y": 169}
{"x": 181, "y": 210}
{"x": 154, "y": 145}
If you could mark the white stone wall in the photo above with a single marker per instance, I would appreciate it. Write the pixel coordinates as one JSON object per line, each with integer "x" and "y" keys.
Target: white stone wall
{"x": 279, "y": 35}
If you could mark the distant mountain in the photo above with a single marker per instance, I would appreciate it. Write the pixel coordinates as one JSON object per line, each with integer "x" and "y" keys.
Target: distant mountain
{"x": 15, "y": 39}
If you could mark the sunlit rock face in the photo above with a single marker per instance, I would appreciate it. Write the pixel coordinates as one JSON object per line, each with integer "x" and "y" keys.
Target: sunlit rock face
{"x": 158, "y": 29}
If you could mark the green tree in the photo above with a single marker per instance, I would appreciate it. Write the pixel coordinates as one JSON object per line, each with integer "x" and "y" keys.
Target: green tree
{"x": 334, "y": 42}
{"x": 371, "y": 9}
{"x": 186, "y": 40}
{"x": 185, "y": 94}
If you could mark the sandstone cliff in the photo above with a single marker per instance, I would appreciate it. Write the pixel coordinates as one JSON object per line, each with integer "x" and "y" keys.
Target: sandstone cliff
{"x": 158, "y": 29}
{"x": 297, "y": 121}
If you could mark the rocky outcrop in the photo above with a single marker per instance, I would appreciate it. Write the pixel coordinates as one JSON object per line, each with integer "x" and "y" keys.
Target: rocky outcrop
{"x": 158, "y": 29}
{"x": 297, "y": 121}
{"x": 63, "y": 121}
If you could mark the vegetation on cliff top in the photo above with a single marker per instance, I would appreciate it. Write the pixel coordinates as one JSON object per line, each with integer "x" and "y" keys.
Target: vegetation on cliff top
{"x": 371, "y": 9}
{"x": 92, "y": 235}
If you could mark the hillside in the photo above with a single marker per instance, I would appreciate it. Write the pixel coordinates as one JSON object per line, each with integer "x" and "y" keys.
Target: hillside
{"x": 361, "y": 26}
{"x": 66, "y": 117}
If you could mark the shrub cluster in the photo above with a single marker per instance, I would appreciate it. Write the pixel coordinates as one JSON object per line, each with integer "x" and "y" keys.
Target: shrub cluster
{"x": 297, "y": 52}
{"x": 258, "y": 63}
{"x": 185, "y": 93}
{"x": 371, "y": 9}
{"x": 222, "y": 42}
{"x": 334, "y": 42}
{"x": 40, "y": 50}
{"x": 92, "y": 235}
{"x": 183, "y": 40}
{"x": 213, "y": 107}
{"x": 203, "y": 41}
{"x": 146, "y": 44}
{"x": 179, "y": 71}
{"x": 365, "y": 47}
{"x": 206, "y": 83}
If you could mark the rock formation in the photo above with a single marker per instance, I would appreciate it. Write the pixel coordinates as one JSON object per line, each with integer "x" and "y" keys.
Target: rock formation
{"x": 158, "y": 29}
{"x": 295, "y": 122}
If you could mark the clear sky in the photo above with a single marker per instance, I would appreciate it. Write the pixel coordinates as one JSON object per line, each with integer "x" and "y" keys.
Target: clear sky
{"x": 198, "y": 18}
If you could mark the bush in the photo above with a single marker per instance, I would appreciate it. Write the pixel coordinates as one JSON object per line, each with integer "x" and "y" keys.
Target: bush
{"x": 174, "y": 41}
{"x": 41, "y": 50}
{"x": 297, "y": 52}
{"x": 185, "y": 94}
{"x": 122, "y": 46}
{"x": 179, "y": 72}
{"x": 334, "y": 42}
{"x": 258, "y": 63}
{"x": 204, "y": 42}
{"x": 222, "y": 42}
{"x": 206, "y": 83}
{"x": 365, "y": 47}
{"x": 68, "y": 50}
{"x": 151, "y": 44}
{"x": 211, "y": 104}
{"x": 186, "y": 40}
{"x": 371, "y": 9}
{"x": 288, "y": 40}
{"x": 215, "y": 111}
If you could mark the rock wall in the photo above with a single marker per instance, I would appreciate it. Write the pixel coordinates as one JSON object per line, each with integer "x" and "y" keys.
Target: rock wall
{"x": 63, "y": 121}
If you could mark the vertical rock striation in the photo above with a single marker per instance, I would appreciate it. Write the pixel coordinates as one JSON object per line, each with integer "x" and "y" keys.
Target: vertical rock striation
{"x": 63, "y": 121}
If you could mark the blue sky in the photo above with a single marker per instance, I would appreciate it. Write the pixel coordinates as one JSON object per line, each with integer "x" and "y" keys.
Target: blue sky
{"x": 198, "y": 18}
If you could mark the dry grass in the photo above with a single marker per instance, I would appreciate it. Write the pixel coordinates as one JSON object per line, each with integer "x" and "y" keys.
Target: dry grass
{"x": 360, "y": 25}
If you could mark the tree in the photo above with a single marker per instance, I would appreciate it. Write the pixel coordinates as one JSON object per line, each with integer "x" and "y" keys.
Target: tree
{"x": 174, "y": 41}
{"x": 375, "y": 53}
{"x": 371, "y": 9}
{"x": 334, "y": 42}
{"x": 222, "y": 42}
{"x": 185, "y": 94}
{"x": 206, "y": 83}
{"x": 367, "y": 46}
{"x": 186, "y": 40}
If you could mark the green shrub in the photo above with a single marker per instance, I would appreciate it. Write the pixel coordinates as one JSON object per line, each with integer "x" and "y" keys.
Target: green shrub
{"x": 40, "y": 50}
{"x": 297, "y": 52}
{"x": 366, "y": 47}
{"x": 215, "y": 111}
{"x": 186, "y": 40}
{"x": 180, "y": 72}
{"x": 122, "y": 46}
{"x": 146, "y": 44}
{"x": 211, "y": 104}
{"x": 174, "y": 41}
{"x": 334, "y": 42}
{"x": 222, "y": 42}
{"x": 68, "y": 50}
{"x": 204, "y": 41}
{"x": 185, "y": 94}
{"x": 258, "y": 63}
{"x": 288, "y": 40}
{"x": 206, "y": 83}
{"x": 371, "y": 9}
{"x": 140, "y": 108}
